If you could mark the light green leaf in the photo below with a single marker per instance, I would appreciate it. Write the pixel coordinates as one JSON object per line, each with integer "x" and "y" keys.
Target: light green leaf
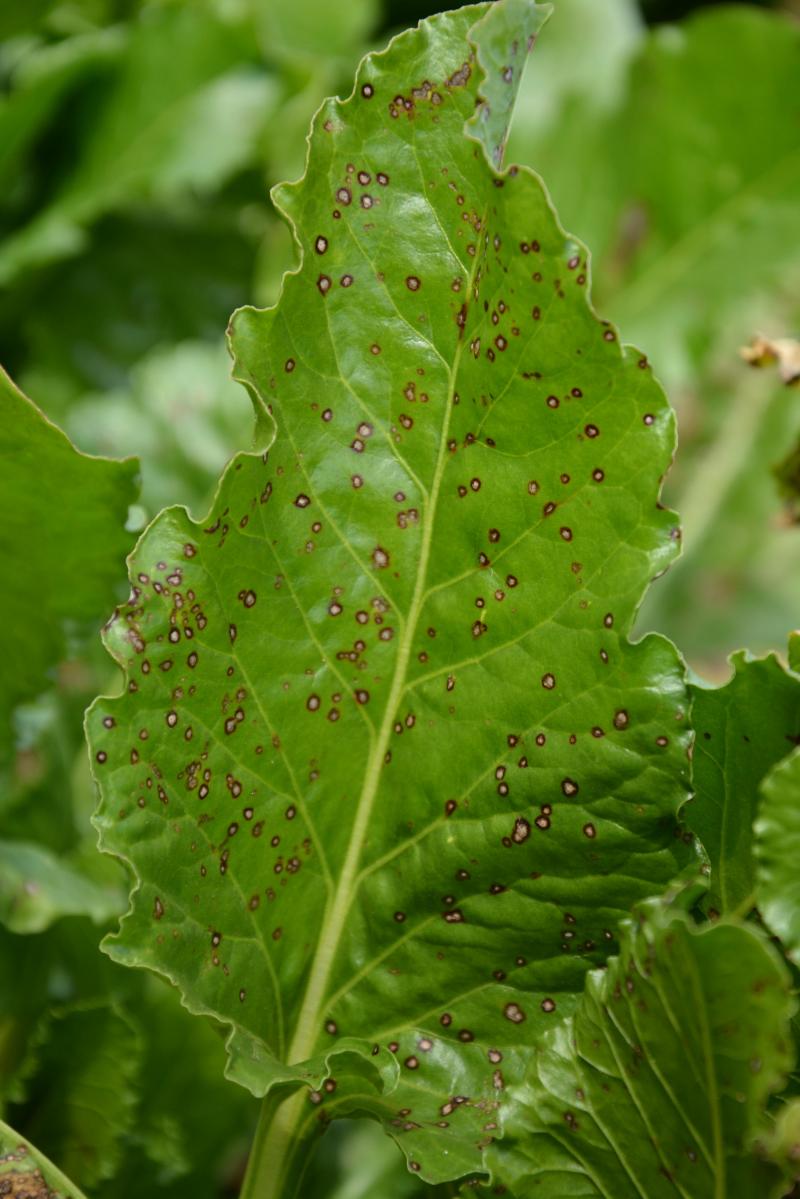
{"x": 310, "y": 33}
{"x": 388, "y": 768}
{"x": 777, "y": 853}
{"x": 63, "y": 531}
{"x": 657, "y": 1086}
{"x": 82, "y": 1100}
{"x": 742, "y": 730}
{"x": 28, "y": 1172}
{"x": 36, "y": 888}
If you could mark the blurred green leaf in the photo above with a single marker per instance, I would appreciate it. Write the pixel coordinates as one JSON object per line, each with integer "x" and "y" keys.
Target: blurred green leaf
{"x": 37, "y": 888}
{"x": 81, "y": 1101}
{"x": 303, "y": 33}
{"x": 165, "y": 125}
{"x": 741, "y": 731}
{"x": 41, "y": 82}
{"x": 63, "y": 528}
{"x": 149, "y": 280}
{"x": 658, "y": 1085}
{"x": 184, "y": 417}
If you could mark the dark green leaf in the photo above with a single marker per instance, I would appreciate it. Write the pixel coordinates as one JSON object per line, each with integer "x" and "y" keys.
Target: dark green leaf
{"x": 81, "y": 1100}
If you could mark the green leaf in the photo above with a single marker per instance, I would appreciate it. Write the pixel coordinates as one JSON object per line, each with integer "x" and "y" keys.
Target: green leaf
{"x": 28, "y": 1172}
{"x": 64, "y": 576}
{"x": 742, "y": 730}
{"x": 82, "y": 1099}
{"x": 312, "y": 32}
{"x": 777, "y": 853}
{"x": 657, "y": 1085}
{"x": 387, "y": 767}
{"x": 36, "y": 888}
{"x": 42, "y": 81}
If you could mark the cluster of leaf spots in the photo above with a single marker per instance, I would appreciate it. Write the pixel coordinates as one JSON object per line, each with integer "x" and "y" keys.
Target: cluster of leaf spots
{"x": 387, "y": 767}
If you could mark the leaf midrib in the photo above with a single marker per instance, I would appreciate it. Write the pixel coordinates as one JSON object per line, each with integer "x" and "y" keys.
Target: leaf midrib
{"x": 308, "y": 1023}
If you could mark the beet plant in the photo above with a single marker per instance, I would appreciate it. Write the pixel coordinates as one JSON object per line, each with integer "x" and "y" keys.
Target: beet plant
{"x": 408, "y": 810}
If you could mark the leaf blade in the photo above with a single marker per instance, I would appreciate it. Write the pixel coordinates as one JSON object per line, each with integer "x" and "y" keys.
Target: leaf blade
{"x": 386, "y": 466}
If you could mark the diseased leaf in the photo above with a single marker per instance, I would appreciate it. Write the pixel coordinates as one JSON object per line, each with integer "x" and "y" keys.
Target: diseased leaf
{"x": 657, "y": 1085}
{"x": 82, "y": 1100}
{"x": 67, "y": 556}
{"x": 36, "y": 888}
{"x": 387, "y": 767}
{"x": 742, "y": 730}
{"x": 777, "y": 853}
{"x": 28, "y": 1172}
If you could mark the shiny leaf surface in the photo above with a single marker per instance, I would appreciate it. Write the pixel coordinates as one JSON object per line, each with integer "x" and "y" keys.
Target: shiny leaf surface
{"x": 387, "y": 766}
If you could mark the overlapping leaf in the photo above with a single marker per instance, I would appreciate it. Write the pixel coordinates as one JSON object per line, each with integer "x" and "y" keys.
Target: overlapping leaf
{"x": 387, "y": 767}
{"x": 657, "y": 1086}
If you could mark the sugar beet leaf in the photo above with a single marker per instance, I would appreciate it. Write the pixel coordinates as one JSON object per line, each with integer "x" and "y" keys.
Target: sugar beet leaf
{"x": 387, "y": 767}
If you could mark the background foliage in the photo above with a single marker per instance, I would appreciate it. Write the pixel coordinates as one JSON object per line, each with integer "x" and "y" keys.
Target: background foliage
{"x": 134, "y": 217}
